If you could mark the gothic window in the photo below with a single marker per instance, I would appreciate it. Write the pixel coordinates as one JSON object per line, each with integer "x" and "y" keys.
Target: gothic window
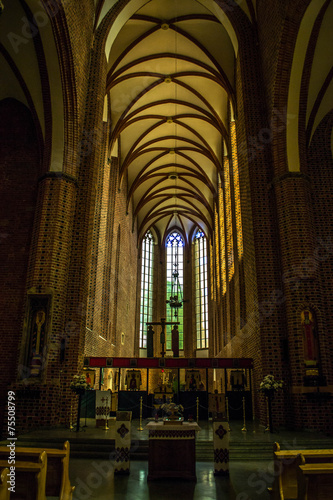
{"x": 146, "y": 304}
{"x": 201, "y": 290}
{"x": 175, "y": 282}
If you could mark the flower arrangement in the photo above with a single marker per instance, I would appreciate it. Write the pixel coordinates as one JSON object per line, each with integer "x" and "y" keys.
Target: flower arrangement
{"x": 172, "y": 410}
{"x": 79, "y": 384}
{"x": 269, "y": 385}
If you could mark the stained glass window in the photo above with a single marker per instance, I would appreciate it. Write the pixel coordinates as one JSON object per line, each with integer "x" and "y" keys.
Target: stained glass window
{"x": 146, "y": 304}
{"x": 175, "y": 282}
{"x": 201, "y": 290}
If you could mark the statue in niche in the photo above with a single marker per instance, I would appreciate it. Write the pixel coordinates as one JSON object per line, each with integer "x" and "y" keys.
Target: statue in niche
{"x": 310, "y": 341}
{"x": 38, "y": 332}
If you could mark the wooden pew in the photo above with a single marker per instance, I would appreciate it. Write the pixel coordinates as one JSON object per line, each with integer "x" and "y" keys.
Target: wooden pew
{"x": 286, "y": 463}
{"x": 57, "y": 476}
{"x": 30, "y": 478}
{"x": 315, "y": 481}
{"x": 4, "y": 491}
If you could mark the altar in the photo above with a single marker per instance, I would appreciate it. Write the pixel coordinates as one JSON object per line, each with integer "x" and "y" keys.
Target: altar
{"x": 172, "y": 450}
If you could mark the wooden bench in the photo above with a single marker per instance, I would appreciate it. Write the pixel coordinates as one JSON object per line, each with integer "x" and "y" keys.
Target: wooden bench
{"x": 315, "y": 481}
{"x": 4, "y": 491}
{"x": 30, "y": 478}
{"x": 286, "y": 464}
{"x": 57, "y": 476}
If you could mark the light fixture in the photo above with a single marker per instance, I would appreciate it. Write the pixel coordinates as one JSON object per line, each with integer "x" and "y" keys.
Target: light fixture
{"x": 176, "y": 298}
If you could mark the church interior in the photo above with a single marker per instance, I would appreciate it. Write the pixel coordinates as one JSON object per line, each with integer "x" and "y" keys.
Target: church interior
{"x": 166, "y": 229}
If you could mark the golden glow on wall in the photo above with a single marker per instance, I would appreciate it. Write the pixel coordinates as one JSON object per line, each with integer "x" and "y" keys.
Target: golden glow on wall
{"x": 212, "y": 272}
{"x": 228, "y": 210}
{"x": 217, "y": 250}
{"x": 222, "y": 240}
{"x": 236, "y": 189}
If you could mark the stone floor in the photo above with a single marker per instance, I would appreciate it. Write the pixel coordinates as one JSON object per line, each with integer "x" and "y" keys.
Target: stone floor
{"x": 94, "y": 480}
{"x": 251, "y": 467}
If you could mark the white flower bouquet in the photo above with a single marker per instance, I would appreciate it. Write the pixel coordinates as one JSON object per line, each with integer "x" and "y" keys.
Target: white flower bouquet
{"x": 79, "y": 384}
{"x": 269, "y": 385}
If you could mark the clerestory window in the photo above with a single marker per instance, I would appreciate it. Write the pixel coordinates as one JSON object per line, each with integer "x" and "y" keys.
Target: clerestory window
{"x": 146, "y": 303}
{"x": 201, "y": 289}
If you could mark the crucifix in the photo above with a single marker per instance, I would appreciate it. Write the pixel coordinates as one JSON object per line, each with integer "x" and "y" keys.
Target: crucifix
{"x": 150, "y": 332}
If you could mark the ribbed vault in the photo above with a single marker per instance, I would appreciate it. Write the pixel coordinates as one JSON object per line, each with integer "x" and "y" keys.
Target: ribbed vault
{"x": 170, "y": 85}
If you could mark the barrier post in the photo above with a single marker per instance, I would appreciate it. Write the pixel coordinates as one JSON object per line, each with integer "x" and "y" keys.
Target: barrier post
{"x": 244, "y": 429}
{"x": 140, "y": 428}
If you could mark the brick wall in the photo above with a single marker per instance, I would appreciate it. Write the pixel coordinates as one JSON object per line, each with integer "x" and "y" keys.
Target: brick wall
{"x": 319, "y": 168}
{"x": 83, "y": 250}
{"x": 19, "y": 169}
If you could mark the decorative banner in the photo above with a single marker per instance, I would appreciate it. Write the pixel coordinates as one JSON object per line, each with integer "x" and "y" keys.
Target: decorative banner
{"x": 103, "y": 406}
{"x": 221, "y": 448}
{"x": 122, "y": 442}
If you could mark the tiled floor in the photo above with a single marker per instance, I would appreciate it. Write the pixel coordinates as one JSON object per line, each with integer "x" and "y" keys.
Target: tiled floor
{"x": 248, "y": 480}
{"x": 251, "y": 469}
{"x": 94, "y": 480}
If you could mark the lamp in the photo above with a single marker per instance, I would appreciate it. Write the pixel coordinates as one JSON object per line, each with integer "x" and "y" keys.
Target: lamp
{"x": 176, "y": 298}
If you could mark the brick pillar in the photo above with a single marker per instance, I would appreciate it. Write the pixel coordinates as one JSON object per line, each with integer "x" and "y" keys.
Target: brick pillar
{"x": 301, "y": 286}
{"x": 38, "y": 396}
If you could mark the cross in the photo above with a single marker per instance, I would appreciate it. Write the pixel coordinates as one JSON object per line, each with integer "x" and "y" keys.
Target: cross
{"x": 162, "y": 336}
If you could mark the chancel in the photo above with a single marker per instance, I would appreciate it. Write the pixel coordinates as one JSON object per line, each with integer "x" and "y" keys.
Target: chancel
{"x": 166, "y": 236}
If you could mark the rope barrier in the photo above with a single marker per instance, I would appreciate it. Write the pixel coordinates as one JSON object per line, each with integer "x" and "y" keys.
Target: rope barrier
{"x": 236, "y": 409}
{"x": 185, "y": 407}
{"x": 128, "y": 409}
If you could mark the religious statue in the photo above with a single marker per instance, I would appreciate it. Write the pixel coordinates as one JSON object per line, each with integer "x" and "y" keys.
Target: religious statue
{"x": 150, "y": 342}
{"x": 175, "y": 341}
{"x": 133, "y": 382}
{"x": 37, "y": 341}
{"x": 309, "y": 337}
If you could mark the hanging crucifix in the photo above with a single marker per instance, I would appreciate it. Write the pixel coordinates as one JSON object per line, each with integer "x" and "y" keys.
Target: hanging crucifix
{"x": 150, "y": 332}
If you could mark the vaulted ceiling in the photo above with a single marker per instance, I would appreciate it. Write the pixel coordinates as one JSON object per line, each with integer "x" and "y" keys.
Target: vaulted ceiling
{"x": 170, "y": 80}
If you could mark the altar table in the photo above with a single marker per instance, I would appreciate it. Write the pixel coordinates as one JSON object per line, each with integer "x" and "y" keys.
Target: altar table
{"x": 172, "y": 450}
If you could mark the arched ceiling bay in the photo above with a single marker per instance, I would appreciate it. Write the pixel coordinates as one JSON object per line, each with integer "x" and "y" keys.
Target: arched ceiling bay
{"x": 312, "y": 55}
{"x": 170, "y": 82}
{"x": 30, "y": 72}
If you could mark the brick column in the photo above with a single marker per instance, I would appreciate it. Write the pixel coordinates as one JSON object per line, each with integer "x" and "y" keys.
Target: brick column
{"x": 38, "y": 395}
{"x": 300, "y": 261}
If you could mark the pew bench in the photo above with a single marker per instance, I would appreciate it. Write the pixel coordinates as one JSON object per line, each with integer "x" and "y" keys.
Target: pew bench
{"x": 286, "y": 464}
{"x": 30, "y": 478}
{"x": 4, "y": 491}
{"x": 315, "y": 481}
{"x": 57, "y": 475}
